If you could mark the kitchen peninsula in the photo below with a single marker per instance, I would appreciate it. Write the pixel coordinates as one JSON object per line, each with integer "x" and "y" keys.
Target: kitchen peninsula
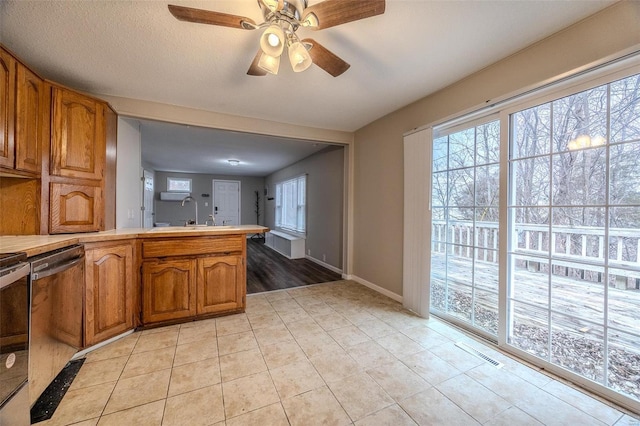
{"x": 142, "y": 278}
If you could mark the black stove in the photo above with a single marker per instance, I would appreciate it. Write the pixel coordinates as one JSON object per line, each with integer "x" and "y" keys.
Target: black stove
{"x": 10, "y": 259}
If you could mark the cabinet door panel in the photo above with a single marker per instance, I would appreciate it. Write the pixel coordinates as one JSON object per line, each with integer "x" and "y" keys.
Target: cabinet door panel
{"x": 7, "y": 109}
{"x": 29, "y": 109}
{"x": 78, "y": 136}
{"x": 220, "y": 284}
{"x": 109, "y": 287}
{"x": 168, "y": 290}
{"x": 74, "y": 208}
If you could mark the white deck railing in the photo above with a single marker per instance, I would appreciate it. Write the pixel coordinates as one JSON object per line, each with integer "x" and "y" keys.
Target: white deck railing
{"x": 578, "y": 247}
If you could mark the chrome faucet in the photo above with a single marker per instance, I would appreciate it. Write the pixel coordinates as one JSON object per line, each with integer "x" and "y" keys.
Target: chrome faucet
{"x": 212, "y": 219}
{"x": 190, "y": 198}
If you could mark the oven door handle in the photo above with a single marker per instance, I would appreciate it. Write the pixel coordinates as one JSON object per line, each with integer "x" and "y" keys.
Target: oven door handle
{"x": 15, "y": 275}
{"x": 59, "y": 268}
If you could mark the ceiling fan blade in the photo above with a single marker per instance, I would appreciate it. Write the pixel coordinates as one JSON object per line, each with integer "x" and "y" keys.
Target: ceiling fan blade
{"x": 254, "y": 69}
{"x": 202, "y": 16}
{"x": 330, "y": 13}
{"x": 324, "y": 58}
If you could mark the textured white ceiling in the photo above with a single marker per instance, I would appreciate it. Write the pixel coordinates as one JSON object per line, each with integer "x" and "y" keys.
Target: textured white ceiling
{"x": 192, "y": 149}
{"x": 136, "y": 49}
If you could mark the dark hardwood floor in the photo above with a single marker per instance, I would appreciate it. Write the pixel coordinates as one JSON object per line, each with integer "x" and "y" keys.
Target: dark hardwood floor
{"x": 269, "y": 270}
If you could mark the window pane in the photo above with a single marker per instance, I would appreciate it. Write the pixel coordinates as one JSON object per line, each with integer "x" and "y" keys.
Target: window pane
{"x": 440, "y": 153}
{"x": 531, "y": 181}
{"x": 530, "y": 128}
{"x": 625, "y": 109}
{"x": 461, "y": 187}
{"x": 624, "y": 173}
{"x": 623, "y": 355}
{"x": 487, "y": 185}
{"x": 578, "y": 346}
{"x": 461, "y": 149}
{"x": 488, "y": 143}
{"x": 579, "y": 177}
{"x": 580, "y": 120}
{"x": 439, "y": 192}
{"x": 529, "y": 329}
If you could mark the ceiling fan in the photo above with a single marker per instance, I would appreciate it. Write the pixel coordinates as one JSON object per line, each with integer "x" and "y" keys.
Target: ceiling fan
{"x": 282, "y": 18}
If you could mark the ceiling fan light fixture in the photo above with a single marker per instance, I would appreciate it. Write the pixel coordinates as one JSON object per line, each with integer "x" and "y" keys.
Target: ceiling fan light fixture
{"x": 310, "y": 20}
{"x": 299, "y": 57}
{"x": 272, "y": 40}
{"x": 273, "y": 5}
{"x": 269, "y": 63}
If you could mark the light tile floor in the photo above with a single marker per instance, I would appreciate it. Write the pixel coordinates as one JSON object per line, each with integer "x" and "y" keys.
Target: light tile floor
{"x": 329, "y": 354}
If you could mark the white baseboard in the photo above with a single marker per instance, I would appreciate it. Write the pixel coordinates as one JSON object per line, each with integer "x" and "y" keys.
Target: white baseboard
{"x": 377, "y": 288}
{"x": 324, "y": 264}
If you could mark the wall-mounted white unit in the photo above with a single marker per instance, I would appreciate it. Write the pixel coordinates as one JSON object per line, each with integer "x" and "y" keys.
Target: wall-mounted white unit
{"x": 173, "y": 196}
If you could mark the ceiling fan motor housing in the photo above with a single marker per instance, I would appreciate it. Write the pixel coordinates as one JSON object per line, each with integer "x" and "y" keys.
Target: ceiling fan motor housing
{"x": 290, "y": 12}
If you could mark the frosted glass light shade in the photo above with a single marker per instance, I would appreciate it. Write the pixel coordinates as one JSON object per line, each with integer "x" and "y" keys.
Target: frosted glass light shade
{"x": 272, "y": 40}
{"x": 269, "y": 63}
{"x": 299, "y": 57}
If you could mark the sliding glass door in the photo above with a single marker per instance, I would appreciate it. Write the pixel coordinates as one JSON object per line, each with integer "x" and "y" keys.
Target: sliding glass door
{"x": 574, "y": 226}
{"x": 567, "y": 294}
{"x": 464, "y": 247}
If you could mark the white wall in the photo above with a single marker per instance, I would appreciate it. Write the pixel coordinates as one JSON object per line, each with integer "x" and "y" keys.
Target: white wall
{"x": 128, "y": 173}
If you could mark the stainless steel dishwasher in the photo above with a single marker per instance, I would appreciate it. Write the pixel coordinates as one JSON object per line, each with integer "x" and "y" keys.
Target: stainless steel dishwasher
{"x": 57, "y": 286}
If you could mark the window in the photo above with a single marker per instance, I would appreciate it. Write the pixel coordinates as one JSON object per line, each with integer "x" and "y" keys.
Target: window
{"x": 178, "y": 184}
{"x": 291, "y": 198}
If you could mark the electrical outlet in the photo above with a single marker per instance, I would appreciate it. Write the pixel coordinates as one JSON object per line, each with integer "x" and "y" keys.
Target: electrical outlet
{"x": 324, "y": 257}
{"x": 308, "y": 252}
{"x": 206, "y": 204}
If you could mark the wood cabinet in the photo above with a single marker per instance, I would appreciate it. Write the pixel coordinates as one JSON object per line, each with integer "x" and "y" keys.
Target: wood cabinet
{"x": 183, "y": 278}
{"x": 30, "y": 105}
{"x": 79, "y": 186}
{"x": 75, "y": 208}
{"x": 220, "y": 284}
{"x": 7, "y": 109}
{"x": 109, "y": 290}
{"x": 78, "y": 135}
{"x": 168, "y": 288}
{"x": 22, "y": 105}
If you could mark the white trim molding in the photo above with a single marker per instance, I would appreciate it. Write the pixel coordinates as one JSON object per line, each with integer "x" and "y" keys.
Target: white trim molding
{"x": 375, "y": 287}
{"x": 324, "y": 264}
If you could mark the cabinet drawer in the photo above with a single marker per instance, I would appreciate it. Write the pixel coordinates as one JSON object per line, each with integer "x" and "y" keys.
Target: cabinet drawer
{"x": 192, "y": 246}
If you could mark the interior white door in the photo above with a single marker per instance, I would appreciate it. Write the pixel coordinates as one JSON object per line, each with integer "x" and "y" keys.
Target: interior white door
{"x": 226, "y": 202}
{"x": 147, "y": 188}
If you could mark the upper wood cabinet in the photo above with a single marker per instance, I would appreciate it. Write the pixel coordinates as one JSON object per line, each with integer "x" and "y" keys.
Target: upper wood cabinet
{"x": 7, "y": 109}
{"x": 30, "y": 105}
{"x": 109, "y": 286}
{"x": 75, "y": 208}
{"x": 22, "y": 100}
{"x": 78, "y": 135}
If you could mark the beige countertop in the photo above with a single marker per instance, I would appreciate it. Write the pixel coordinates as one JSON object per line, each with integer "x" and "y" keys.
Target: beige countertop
{"x": 37, "y": 244}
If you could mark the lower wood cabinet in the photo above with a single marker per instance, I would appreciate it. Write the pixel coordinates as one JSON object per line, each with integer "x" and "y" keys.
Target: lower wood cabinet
{"x": 202, "y": 276}
{"x": 220, "y": 285}
{"x": 109, "y": 290}
{"x": 168, "y": 289}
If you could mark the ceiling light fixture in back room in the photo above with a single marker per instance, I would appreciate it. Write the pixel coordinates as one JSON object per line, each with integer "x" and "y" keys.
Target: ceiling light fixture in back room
{"x": 282, "y": 18}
